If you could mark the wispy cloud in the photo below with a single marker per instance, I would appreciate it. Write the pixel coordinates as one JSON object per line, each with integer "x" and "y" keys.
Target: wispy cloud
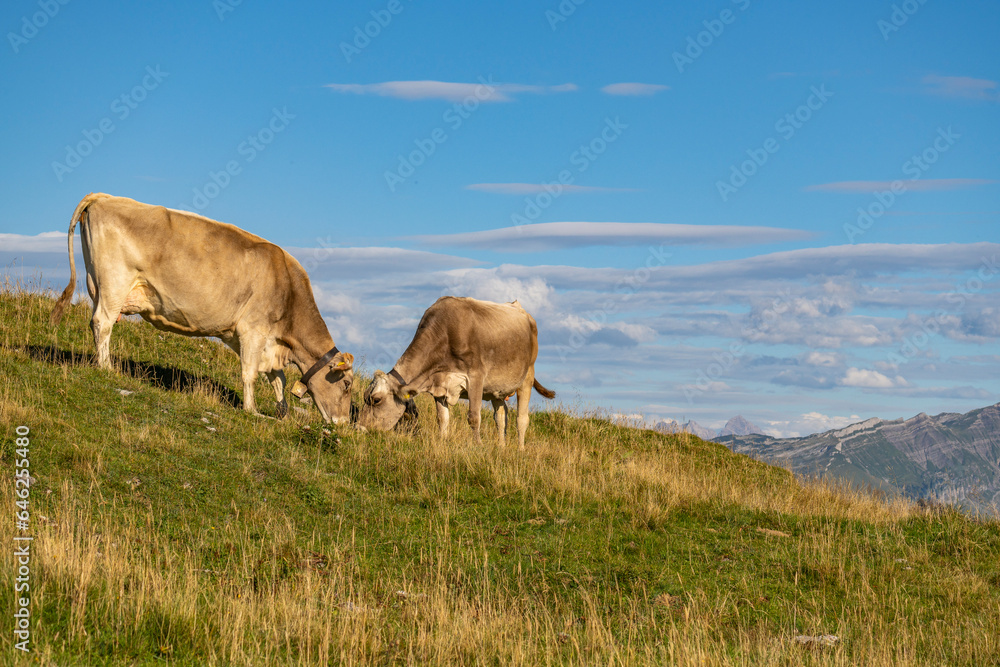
{"x": 964, "y": 87}
{"x": 484, "y": 90}
{"x": 349, "y": 262}
{"x": 858, "y": 260}
{"x": 44, "y": 242}
{"x": 535, "y": 188}
{"x": 555, "y": 235}
{"x": 634, "y": 89}
{"x": 919, "y": 185}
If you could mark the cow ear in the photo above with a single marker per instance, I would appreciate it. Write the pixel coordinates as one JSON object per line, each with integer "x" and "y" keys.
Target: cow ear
{"x": 342, "y": 361}
{"x": 406, "y": 393}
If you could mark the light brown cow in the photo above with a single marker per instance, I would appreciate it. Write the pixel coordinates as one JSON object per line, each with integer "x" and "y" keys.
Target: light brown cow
{"x": 193, "y": 276}
{"x": 463, "y": 348}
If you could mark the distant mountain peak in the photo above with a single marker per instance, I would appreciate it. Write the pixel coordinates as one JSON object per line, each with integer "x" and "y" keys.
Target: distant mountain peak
{"x": 739, "y": 425}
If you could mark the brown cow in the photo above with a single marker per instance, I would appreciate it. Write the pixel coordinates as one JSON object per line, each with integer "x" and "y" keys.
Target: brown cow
{"x": 193, "y": 276}
{"x": 463, "y": 348}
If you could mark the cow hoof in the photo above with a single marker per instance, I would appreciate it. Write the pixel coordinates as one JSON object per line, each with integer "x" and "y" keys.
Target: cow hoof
{"x": 282, "y": 410}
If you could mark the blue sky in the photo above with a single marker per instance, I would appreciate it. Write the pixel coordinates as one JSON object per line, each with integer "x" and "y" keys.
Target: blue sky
{"x": 674, "y": 190}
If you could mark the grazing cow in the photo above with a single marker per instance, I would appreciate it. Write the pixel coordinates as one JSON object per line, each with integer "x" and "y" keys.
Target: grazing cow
{"x": 463, "y": 348}
{"x": 193, "y": 276}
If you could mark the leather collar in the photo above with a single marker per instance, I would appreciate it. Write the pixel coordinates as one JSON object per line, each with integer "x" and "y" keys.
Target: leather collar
{"x": 324, "y": 360}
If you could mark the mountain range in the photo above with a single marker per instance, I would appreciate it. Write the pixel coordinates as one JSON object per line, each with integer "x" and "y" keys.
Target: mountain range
{"x": 949, "y": 458}
{"x": 738, "y": 425}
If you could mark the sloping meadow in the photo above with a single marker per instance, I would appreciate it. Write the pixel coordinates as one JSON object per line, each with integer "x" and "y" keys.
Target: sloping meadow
{"x": 169, "y": 526}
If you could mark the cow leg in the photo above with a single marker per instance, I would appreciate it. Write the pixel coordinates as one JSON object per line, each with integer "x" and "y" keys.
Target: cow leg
{"x": 475, "y": 405}
{"x": 250, "y": 351}
{"x": 523, "y": 399}
{"x": 500, "y": 416}
{"x": 102, "y": 340}
{"x": 103, "y": 321}
{"x": 444, "y": 413}
{"x": 277, "y": 379}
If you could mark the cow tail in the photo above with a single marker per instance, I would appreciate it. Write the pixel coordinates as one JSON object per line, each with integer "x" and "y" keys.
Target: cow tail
{"x": 547, "y": 393}
{"x": 67, "y": 295}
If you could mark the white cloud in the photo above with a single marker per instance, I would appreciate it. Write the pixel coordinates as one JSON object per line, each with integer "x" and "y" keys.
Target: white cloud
{"x": 823, "y": 359}
{"x": 634, "y": 88}
{"x": 484, "y": 91}
{"x": 552, "y": 235}
{"x": 803, "y": 326}
{"x": 856, "y": 377}
{"x": 536, "y": 188}
{"x": 534, "y": 294}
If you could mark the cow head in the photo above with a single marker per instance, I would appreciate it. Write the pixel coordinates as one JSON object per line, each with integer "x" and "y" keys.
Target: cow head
{"x": 331, "y": 388}
{"x": 384, "y": 404}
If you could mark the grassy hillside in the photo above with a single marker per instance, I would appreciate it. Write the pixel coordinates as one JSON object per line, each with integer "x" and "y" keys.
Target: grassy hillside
{"x": 171, "y": 528}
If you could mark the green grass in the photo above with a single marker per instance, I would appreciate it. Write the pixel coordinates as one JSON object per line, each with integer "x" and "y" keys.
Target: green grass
{"x": 160, "y": 541}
